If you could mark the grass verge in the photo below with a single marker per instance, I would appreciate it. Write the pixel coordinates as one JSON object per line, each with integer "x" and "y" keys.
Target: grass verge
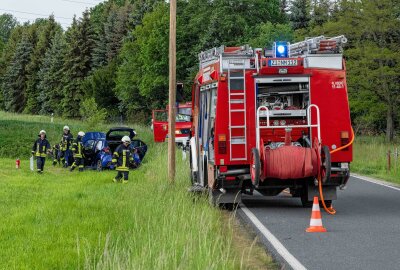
{"x": 63, "y": 220}
{"x": 370, "y": 158}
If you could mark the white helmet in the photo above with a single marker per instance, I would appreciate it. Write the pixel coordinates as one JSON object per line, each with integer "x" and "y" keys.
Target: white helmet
{"x": 81, "y": 133}
{"x": 42, "y": 131}
{"x": 126, "y": 139}
{"x": 66, "y": 128}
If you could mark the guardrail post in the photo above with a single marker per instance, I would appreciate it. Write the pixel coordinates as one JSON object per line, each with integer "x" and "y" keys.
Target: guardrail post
{"x": 388, "y": 161}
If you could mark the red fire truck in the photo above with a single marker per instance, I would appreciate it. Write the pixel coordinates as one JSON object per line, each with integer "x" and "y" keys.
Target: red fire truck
{"x": 270, "y": 120}
{"x": 182, "y": 126}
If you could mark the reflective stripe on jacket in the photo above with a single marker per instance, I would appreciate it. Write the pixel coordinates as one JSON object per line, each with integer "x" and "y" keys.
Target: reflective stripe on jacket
{"x": 41, "y": 147}
{"x": 66, "y": 141}
{"x": 77, "y": 148}
{"x": 122, "y": 157}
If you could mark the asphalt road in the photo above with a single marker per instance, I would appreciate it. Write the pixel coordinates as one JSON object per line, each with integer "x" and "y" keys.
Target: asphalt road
{"x": 364, "y": 234}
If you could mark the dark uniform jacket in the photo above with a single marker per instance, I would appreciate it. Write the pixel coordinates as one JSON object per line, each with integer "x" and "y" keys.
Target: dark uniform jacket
{"x": 122, "y": 157}
{"x": 77, "y": 147}
{"x": 41, "y": 147}
{"x": 66, "y": 141}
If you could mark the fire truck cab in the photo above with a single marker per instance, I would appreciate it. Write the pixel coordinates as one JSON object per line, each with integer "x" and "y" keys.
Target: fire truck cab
{"x": 182, "y": 124}
{"x": 270, "y": 120}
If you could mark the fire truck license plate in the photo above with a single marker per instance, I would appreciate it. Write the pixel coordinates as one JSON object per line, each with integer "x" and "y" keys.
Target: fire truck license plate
{"x": 282, "y": 63}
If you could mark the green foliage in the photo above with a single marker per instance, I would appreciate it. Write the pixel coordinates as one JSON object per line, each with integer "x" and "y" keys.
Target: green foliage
{"x": 16, "y": 75}
{"x": 101, "y": 86}
{"x": 7, "y": 24}
{"x": 268, "y": 33}
{"x": 44, "y": 34}
{"x": 92, "y": 115}
{"x": 50, "y": 86}
{"x": 373, "y": 59}
{"x": 300, "y": 15}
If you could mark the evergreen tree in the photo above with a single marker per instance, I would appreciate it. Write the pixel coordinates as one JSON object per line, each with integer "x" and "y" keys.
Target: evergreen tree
{"x": 300, "y": 14}
{"x": 77, "y": 64}
{"x": 50, "y": 86}
{"x": 73, "y": 73}
{"x": 14, "y": 81}
{"x": 7, "y": 24}
{"x": 320, "y": 12}
{"x": 45, "y": 34}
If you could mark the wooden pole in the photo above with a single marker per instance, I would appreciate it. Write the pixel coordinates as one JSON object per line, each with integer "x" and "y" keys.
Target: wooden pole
{"x": 172, "y": 91}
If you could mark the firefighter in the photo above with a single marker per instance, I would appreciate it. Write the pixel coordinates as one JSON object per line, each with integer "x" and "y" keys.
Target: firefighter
{"x": 40, "y": 149}
{"x": 77, "y": 148}
{"x": 56, "y": 154}
{"x": 65, "y": 147}
{"x": 122, "y": 157}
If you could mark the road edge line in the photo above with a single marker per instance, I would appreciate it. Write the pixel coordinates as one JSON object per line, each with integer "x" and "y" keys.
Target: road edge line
{"x": 279, "y": 247}
{"x": 375, "y": 181}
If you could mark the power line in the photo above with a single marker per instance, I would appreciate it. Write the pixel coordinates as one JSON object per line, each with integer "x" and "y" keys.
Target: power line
{"x": 31, "y": 13}
{"x": 80, "y": 2}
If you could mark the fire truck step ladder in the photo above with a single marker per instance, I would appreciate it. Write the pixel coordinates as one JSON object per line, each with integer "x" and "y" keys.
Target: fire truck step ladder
{"x": 237, "y": 109}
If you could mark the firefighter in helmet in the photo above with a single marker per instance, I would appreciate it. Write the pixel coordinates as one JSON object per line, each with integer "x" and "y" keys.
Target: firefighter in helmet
{"x": 122, "y": 157}
{"x": 65, "y": 147}
{"x": 77, "y": 148}
{"x": 40, "y": 149}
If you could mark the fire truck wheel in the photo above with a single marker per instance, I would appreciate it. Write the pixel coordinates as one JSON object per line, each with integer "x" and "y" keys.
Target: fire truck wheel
{"x": 326, "y": 164}
{"x": 304, "y": 197}
{"x": 255, "y": 167}
{"x": 205, "y": 171}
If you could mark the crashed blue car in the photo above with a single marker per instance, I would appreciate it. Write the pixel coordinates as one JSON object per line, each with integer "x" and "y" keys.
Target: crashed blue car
{"x": 99, "y": 147}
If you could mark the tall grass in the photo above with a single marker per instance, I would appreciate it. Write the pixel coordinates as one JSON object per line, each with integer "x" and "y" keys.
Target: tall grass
{"x": 63, "y": 220}
{"x": 370, "y": 158}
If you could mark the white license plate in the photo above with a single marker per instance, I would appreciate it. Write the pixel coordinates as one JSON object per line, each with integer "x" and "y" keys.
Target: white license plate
{"x": 283, "y": 63}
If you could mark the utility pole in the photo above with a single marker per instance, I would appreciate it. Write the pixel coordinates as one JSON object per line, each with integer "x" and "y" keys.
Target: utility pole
{"x": 172, "y": 90}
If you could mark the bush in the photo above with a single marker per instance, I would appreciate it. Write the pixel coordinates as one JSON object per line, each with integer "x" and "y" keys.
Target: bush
{"x": 91, "y": 114}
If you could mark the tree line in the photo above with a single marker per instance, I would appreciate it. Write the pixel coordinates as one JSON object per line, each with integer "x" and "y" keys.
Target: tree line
{"x": 115, "y": 55}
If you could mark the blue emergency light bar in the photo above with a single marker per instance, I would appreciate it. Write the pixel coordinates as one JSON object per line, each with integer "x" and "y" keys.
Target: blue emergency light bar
{"x": 281, "y": 49}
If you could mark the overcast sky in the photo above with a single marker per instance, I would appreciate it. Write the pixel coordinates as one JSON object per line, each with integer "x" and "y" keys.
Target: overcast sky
{"x": 63, "y": 10}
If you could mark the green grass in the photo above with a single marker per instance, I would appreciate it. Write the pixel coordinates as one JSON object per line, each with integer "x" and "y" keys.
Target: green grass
{"x": 370, "y": 158}
{"x": 64, "y": 220}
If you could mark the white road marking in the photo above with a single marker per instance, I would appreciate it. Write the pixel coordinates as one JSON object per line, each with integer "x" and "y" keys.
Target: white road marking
{"x": 286, "y": 255}
{"x": 377, "y": 182}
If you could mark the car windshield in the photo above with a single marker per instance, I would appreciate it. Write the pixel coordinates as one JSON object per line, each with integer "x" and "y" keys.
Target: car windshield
{"x": 182, "y": 118}
{"x": 183, "y": 114}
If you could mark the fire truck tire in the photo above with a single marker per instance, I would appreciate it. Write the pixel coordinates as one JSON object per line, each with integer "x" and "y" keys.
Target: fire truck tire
{"x": 255, "y": 167}
{"x": 304, "y": 197}
{"x": 326, "y": 164}
{"x": 205, "y": 171}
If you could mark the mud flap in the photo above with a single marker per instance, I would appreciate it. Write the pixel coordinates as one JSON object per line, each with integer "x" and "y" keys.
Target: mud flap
{"x": 218, "y": 197}
{"x": 329, "y": 192}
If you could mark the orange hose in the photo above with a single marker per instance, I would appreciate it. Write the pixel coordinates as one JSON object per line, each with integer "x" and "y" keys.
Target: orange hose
{"x": 347, "y": 145}
{"x": 331, "y": 210}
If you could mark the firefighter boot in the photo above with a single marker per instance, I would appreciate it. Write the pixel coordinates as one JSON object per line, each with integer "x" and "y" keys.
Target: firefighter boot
{"x": 124, "y": 181}
{"x": 72, "y": 167}
{"x": 115, "y": 180}
{"x": 55, "y": 162}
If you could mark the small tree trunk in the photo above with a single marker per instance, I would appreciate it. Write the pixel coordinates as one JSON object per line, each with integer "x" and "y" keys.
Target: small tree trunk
{"x": 390, "y": 124}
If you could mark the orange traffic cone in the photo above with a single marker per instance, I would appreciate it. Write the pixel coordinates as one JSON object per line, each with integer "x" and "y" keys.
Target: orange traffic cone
{"x": 316, "y": 221}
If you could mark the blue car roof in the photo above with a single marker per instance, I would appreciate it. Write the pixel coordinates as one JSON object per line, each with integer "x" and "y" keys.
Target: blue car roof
{"x": 93, "y": 136}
